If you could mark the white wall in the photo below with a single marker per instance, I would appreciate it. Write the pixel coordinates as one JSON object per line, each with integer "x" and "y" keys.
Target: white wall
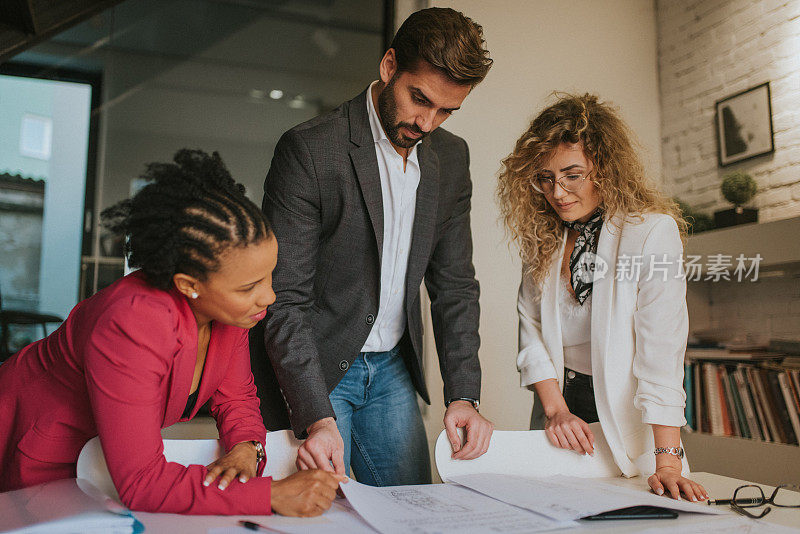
{"x": 606, "y": 47}
{"x": 709, "y": 51}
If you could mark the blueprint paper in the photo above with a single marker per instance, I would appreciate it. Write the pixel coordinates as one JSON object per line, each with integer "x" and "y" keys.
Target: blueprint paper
{"x": 567, "y": 498}
{"x": 727, "y": 525}
{"x": 441, "y": 509}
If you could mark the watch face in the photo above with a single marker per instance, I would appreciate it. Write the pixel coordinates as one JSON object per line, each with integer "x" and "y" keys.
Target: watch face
{"x": 259, "y": 450}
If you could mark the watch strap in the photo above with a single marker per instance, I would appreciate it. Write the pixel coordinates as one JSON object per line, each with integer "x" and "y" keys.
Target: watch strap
{"x": 260, "y": 455}
{"x": 674, "y": 451}
{"x": 475, "y": 402}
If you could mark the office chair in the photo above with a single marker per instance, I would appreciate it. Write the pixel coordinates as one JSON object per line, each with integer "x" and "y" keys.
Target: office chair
{"x": 281, "y": 449}
{"x": 529, "y": 453}
{"x": 20, "y": 317}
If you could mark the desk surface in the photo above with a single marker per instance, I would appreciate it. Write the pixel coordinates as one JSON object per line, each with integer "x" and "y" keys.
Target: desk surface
{"x": 717, "y": 486}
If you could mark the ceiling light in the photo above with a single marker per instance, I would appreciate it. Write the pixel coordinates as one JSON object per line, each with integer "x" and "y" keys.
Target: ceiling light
{"x": 297, "y": 102}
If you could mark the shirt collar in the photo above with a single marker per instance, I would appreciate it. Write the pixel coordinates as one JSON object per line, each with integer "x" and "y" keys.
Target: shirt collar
{"x": 378, "y": 133}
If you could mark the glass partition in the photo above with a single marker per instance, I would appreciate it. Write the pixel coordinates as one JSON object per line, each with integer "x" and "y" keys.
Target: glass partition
{"x": 220, "y": 75}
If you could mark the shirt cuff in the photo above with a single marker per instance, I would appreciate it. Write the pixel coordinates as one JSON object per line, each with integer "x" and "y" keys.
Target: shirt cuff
{"x": 536, "y": 372}
{"x": 655, "y": 414}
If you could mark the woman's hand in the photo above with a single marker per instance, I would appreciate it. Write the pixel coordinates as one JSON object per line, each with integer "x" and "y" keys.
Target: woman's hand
{"x": 239, "y": 462}
{"x": 306, "y": 493}
{"x": 568, "y": 431}
{"x": 670, "y": 477}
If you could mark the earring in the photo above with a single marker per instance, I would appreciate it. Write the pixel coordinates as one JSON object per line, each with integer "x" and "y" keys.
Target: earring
{"x": 194, "y": 294}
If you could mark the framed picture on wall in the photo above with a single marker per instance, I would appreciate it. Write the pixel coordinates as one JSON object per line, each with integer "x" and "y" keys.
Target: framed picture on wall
{"x": 744, "y": 125}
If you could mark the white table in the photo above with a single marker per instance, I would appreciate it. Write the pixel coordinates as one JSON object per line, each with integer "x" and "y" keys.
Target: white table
{"x": 718, "y": 487}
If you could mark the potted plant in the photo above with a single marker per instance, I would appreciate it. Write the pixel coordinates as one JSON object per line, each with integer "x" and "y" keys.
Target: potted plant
{"x": 698, "y": 222}
{"x": 738, "y": 188}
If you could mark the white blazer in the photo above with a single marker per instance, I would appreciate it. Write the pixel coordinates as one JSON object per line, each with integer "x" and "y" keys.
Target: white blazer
{"x": 638, "y": 340}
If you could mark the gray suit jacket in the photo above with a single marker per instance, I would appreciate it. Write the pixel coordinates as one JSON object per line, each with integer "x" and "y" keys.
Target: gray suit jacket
{"x": 323, "y": 197}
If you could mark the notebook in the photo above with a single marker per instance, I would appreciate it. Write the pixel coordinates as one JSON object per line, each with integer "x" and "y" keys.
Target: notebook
{"x": 64, "y": 506}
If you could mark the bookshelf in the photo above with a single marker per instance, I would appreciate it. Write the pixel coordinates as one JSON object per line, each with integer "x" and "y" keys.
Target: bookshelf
{"x": 741, "y": 426}
{"x": 745, "y": 459}
{"x": 767, "y": 239}
{"x": 756, "y": 308}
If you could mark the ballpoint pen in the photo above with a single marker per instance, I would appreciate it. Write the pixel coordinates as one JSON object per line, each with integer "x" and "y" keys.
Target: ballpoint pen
{"x": 250, "y": 525}
{"x": 741, "y": 501}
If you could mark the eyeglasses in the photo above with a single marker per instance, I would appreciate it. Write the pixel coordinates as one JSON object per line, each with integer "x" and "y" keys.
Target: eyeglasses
{"x": 571, "y": 183}
{"x": 752, "y": 496}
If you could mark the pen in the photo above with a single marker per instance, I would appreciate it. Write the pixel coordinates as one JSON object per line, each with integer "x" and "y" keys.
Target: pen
{"x": 250, "y": 525}
{"x": 740, "y": 501}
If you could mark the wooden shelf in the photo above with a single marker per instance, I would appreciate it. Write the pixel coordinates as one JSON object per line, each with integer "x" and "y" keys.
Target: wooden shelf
{"x": 745, "y": 459}
{"x": 773, "y": 240}
{"x": 105, "y": 260}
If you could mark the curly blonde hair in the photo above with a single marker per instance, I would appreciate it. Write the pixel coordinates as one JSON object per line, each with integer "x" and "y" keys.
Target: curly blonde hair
{"x": 618, "y": 176}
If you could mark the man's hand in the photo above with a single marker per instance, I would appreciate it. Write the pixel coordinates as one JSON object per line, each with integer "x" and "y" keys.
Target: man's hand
{"x": 239, "y": 462}
{"x": 305, "y": 493}
{"x": 461, "y": 414}
{"x": 323, "y": 446}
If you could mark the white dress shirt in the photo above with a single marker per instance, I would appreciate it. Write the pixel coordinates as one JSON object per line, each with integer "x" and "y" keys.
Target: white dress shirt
{"x": 399, "y": 193}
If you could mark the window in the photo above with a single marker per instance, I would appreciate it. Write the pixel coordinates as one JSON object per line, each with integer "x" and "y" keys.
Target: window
{"x": 221, "y": 75}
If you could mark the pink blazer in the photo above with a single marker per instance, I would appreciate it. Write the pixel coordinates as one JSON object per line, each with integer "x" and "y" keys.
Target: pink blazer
{"x": 121, "y": 367}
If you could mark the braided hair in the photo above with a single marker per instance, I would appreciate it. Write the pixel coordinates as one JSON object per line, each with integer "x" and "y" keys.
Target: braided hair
{"x": 182, "y": 221}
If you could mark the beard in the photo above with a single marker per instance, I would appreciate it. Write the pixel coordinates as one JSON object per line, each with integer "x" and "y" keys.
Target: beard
{"x": 387, "y": 111}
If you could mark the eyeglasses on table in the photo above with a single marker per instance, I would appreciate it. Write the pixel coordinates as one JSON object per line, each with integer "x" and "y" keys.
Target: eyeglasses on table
{"x": 752, "y": 496}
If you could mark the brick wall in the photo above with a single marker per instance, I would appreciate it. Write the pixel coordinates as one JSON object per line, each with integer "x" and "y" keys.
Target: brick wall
{"x": 766, "y": 309}
{"x": 710, "y": 49}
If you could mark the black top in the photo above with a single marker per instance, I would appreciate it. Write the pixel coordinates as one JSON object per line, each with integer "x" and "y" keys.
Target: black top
{"x": 190, "y": 402}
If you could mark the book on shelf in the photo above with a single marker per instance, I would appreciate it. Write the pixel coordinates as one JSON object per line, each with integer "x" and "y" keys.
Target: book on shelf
{"x": 726, "y": 420}
{"x": 751, "y": 398}
{"x": 769, "y": 408}
{"x": 788, "y": 398}
{"x": 779, "y": 404}
{"x": 687, "y": 387}
{"x": 713, "y": 407}
{"x": 747, "y": 404}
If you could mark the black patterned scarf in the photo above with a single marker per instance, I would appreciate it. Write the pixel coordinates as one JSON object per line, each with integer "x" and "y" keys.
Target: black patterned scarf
{"x": 580, "y": 274}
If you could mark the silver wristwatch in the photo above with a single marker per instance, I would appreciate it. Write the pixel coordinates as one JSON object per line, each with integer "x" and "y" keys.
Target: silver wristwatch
{"x": 674, "y": 451}
{"x": 259, "y": 451}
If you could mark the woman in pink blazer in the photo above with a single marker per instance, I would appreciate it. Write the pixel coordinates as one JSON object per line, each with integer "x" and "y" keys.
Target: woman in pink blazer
{"x": 152, "y": 348}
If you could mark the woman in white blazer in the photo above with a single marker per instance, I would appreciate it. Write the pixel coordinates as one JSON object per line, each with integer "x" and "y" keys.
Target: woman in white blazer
{"x": 602, "y": 303}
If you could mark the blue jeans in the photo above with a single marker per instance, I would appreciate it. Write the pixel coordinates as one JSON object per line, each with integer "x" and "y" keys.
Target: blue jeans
{"x": 380, "y": 423}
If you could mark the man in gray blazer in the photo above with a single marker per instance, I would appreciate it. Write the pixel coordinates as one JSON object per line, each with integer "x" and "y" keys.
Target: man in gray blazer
{"x": 366, "y": 202}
